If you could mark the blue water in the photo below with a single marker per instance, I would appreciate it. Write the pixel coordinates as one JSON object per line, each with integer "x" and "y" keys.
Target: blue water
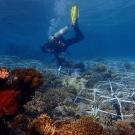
{"x": 108, "y": 26}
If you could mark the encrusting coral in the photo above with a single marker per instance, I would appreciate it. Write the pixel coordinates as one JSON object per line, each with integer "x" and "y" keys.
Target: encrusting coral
{"x": 43, "y": 125}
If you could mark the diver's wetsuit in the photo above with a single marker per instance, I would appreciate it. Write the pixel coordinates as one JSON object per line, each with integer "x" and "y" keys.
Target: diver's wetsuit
{"x": 60, "y": 45}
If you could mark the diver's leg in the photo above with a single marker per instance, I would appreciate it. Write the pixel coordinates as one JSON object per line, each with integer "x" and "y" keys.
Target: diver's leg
{"x": 58, "y": 59}
{"x": 78, "y": 36}
{"x": 78, "y": 33}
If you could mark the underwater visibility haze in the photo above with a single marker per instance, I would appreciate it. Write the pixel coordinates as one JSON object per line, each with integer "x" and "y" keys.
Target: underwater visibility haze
{"x": 89, "y": 89}
{"x": 108, "y": 26}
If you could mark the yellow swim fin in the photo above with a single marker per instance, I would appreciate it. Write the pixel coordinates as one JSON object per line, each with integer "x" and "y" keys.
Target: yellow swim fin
{"x": 74, "y": 14}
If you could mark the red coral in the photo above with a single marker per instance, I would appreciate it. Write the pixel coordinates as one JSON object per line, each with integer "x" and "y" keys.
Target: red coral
{"x": 9, "y": 102}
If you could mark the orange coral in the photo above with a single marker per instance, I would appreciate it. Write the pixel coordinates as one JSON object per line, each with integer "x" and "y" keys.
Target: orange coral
{"x": 9, "y": 102}
{"x": 43, "y": 125}
{"x": 4, "y": 73}
{"x": 84, "y": 126}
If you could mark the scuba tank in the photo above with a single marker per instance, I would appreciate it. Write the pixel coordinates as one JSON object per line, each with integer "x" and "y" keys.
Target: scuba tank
{"x": 60, "y": 33}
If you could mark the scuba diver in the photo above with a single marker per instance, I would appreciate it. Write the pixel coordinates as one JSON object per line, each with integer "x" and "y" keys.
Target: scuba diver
{"x": 58, "y": 44}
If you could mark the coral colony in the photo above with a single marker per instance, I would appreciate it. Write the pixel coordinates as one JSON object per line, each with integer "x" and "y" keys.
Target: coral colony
{"x": 95, "y": 97}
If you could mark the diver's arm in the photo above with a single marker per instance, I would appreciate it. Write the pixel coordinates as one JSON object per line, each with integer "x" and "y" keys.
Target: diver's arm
{"x": 78, "y": 36}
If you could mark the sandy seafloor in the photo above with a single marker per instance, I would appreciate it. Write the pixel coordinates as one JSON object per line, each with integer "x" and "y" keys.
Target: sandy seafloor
{"x": 106, "y": 82}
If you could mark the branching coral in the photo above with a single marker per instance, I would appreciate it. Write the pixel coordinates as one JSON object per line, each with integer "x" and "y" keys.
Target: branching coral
{"x": 52, "y": 81}
{"x": 53, "y": 97}
{"x": 9, "y": 102}
{"x": 100, "y": 72}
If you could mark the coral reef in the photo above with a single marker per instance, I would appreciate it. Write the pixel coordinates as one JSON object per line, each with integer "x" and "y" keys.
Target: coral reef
{"x": 23, "y": 78}
{"x": 21, "y": 85}
{"x": 105, "y": 92}
{"x": 77, "y": 83}
{"x": 4, "y": 74}
{"x": 16, "y": 89}
{"x": 124, "y": 128}
{"x": 51, "y": 81}
{"x": 19, "y": 124}
{"x": 43, "y": 125}
{"x": 35, "y": 106}
{"x": 48, "y": 100}
{"x": 26, "y": 81}
{"x": 9, "y": 102}
{"x": 100, "y": 72}
{"x": 83, "y": 126}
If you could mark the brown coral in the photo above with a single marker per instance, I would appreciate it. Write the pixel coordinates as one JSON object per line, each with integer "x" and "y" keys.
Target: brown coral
{"x": 84, "y": 126}
{"x": 26, "y": 81}
{"x": 43, "y": 125}
{"x": 26, "y": 77}
{"x": 21, "y": 121}
{"x": 124, "y": 128}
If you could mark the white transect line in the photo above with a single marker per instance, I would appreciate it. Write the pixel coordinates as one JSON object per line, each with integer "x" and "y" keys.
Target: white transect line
{"x": 78, "y": 95}
{"x": 99, "y": 93}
